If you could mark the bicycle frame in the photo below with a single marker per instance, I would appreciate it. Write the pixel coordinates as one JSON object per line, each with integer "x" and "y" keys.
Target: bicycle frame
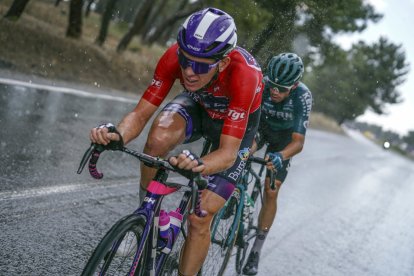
{"x": 235, "y": 224}
{"x": 241, "y": 189}
{"x": 150, "y": 207}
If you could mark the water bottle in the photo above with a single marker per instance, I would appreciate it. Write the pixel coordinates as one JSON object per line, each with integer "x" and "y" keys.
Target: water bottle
{"x": 164, "y": 224}
{"x": 175, "y": 222}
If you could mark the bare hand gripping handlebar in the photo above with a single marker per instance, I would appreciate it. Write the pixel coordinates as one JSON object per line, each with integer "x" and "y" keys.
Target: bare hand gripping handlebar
{"x": 93, "y": 153}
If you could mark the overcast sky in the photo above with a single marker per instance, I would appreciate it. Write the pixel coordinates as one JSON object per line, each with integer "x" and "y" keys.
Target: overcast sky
{"x": 398, "y": 26}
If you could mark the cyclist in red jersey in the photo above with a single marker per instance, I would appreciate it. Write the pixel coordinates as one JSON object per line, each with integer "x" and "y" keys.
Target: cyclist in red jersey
{"x": 221, "y": 102}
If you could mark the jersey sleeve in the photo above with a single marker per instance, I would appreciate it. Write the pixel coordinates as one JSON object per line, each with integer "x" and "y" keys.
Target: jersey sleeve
{"x": 246, "y": 89}
{"x": 302, "y": 111}
{"x": 166, "y": 72}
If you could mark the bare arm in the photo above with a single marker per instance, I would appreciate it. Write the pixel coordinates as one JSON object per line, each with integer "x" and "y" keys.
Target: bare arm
{"x": 134, "y": 122}
{"x": 222, "y": 158}
{"x": 294, "y": 147}
{"x": 129, "y": 127}
{"x": 214, "y": 162}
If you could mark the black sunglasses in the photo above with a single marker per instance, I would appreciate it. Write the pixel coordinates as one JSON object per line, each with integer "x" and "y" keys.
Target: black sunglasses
{"x": 278, "y": 87}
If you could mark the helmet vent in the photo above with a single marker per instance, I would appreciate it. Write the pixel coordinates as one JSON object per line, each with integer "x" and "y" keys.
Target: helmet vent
{"x": 204, "y": 24}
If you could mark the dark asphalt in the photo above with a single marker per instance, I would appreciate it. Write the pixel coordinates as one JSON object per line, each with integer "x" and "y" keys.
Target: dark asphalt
{"x": 346, "y": 207}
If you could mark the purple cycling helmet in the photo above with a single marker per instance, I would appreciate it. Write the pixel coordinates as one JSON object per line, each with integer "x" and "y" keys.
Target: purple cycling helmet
{"x": 209, "y": 33}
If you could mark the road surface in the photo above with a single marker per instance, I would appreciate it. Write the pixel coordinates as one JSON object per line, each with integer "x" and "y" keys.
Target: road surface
{"x": 346, "y": 207}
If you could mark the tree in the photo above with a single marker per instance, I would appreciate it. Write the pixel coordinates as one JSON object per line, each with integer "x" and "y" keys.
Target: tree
{"x": 409, "y": 138}
{"x": 332, "y": 85}
{"x": 138, "y": 24}
{"x": 158, "y": 31}
{"x": 16, "y": 9}
{"x": 106, "y": 19}
{"x": 249, "y": 17}
{"x": 279, "y": 28}
{"x": 390, "y": 136}
{"x": 346, "y": 83}
{"x": 380, "y": 68}
{"x": 74, "y": 29}
{"x": 152, "y": 19}
{"x": 88, "y": 7}
{"x": 127, "y": 9}
{"x": 167, "y": 30}
{"x": 314, "y": 20}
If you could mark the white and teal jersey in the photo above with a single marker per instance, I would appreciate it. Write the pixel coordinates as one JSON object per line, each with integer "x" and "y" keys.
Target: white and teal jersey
{"x": 290, "y": 114}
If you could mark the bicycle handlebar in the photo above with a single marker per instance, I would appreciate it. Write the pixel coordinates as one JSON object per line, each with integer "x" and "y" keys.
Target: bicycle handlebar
{"x": 262, "y": 161}
{"x": 93, "y": 154}
{"x": 257, "y": 160}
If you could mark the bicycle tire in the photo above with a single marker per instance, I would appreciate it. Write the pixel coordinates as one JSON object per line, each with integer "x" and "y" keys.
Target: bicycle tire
{"x": 170, "y": 267}
{"x": 225, "y": 228}
{"x": 109, "y": 246}
{"x": 240, "y": 257}
{"x": 248, "y": 226}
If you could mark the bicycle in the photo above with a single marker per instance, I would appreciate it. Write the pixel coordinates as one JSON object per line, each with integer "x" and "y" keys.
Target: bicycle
{"x": 134, "y": 245}
{"x": 235, "y": 223}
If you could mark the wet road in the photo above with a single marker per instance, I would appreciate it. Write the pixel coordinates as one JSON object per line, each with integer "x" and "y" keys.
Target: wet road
{"x": 346, "y": 207}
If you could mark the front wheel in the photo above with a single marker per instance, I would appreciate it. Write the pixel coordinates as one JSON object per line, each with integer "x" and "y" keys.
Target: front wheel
{"x": 242, "y": 249}
{"x": 117, "y": 252}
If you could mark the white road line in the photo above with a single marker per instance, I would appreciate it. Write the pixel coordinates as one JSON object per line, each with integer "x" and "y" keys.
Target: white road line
{"x": 67, "y": 90}
{"x": 58, "y": 189}
{"x": 70, "y": 188}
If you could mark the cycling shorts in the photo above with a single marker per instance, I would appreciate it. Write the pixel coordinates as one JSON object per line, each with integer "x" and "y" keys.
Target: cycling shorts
{"x": 200, "y": 124}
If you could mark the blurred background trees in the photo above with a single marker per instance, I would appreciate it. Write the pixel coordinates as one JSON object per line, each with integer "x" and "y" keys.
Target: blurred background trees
{"x": 345, "y": 83}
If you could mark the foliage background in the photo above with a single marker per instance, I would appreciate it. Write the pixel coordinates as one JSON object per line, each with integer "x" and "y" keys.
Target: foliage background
{"x": 344, "y": 83}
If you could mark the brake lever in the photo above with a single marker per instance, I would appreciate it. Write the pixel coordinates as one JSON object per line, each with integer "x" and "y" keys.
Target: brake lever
{"x": 85, "y": 158}
{"x": 201, "y": 182}
{"x": 194, "y": 197}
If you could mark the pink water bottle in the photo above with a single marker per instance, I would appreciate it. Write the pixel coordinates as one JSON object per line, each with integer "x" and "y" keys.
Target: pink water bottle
{"x": 164, "y": 224}
{"x": 175, "y": 221}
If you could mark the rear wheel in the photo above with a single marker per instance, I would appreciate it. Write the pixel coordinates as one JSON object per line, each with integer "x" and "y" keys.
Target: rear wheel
{"x": 241, "y": 254}
{"x": 257, "y": 198}
{"x": 117, "y": 251}
{"x": 225, "y": 227}
{"x": 247, "y": 231}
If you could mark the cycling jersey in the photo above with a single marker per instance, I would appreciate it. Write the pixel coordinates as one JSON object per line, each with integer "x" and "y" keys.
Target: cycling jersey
{"x": 232, "y": 96}
{"x": 279, "y": 120}
{"x": 290, "y": 114}
{"x": 200, "y": 124}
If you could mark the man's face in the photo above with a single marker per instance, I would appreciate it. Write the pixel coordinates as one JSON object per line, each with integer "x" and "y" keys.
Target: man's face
{"x": 276, "y": 96}
{"x": 197, "y": 72}
{"x": 279, "y": 92}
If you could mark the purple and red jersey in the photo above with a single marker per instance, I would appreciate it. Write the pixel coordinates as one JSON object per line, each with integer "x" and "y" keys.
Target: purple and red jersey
{"x": 232, "y": 96}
